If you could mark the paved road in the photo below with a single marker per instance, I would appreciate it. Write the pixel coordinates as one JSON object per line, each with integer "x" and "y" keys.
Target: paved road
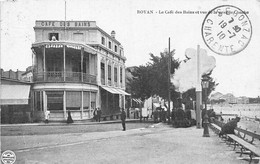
{"x": 158, "y": 143}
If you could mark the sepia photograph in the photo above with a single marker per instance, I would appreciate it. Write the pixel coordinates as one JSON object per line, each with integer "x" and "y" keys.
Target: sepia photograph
{"x": 130, "y": 82}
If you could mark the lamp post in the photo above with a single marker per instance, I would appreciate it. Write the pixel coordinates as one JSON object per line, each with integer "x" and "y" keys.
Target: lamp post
{"x": 205, "y": 86}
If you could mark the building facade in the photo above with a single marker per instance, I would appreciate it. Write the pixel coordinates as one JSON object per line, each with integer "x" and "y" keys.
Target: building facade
{"x": 76, "y": 66}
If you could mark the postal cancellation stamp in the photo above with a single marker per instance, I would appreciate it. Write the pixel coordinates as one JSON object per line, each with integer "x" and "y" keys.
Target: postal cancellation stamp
{"x": 226, "y": 30}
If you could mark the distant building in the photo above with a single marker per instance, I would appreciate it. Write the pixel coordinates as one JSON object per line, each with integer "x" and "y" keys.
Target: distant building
{"x": 243, "y": 100}
{"x": 76, "y": 66}
{"x": 229, "y": 98}
{"x": 28, "y": 74}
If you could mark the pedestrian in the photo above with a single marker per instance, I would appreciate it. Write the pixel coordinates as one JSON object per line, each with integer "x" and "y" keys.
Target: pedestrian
{"x": 229, "y": 127}
{"x": 98, "y": 114}
{"x": 47, "y": 116}
{"x": 69, "y": 119}
{"x": 95, "y": 114}
{"x": 123, "y": 117}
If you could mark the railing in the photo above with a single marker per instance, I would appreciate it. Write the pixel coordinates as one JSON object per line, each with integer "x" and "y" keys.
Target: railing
{"x": 58, "y": 76}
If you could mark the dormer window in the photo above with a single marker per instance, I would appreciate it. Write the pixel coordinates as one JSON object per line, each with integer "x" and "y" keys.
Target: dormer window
{"x": 53, "y": 36}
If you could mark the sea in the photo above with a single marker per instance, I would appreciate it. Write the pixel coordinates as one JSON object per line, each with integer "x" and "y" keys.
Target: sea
{"x": 250, "y": 111}
{"x": 249, "y": 114}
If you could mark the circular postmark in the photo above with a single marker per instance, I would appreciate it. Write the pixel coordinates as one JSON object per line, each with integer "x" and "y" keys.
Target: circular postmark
{"x": 8, "y": 157}
{"x": 226, "y": 30}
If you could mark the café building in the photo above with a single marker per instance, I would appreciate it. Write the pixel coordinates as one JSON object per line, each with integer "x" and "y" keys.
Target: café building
{"x": 76, "y": 66}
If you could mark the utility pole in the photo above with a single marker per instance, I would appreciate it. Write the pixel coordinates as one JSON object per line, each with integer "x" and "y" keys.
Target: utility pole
{"x": 169, "y": 79}
{"x": 198, "y": 90}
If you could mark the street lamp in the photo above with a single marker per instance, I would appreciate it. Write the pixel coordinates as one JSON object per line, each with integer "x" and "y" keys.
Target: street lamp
{"x": 205, "y": 86}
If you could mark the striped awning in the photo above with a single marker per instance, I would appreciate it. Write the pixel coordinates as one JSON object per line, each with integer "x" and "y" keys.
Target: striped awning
{"x": 137, "y": 100}
{"x": 14, "y": 94}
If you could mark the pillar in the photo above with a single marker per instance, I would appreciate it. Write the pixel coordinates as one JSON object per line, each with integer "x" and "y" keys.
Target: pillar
{"x": 44, "y": 64}
{"x": 64, "y": 63}
{"x": 44, "y": 101}
{"x": 90, "y": 108}
{"x": 82, "y": 104}
{"x": 64, "y": 105}
{"x": 81, "y": 63}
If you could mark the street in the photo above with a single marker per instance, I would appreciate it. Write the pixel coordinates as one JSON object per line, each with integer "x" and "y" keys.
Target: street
{"x": 158, "y": 143}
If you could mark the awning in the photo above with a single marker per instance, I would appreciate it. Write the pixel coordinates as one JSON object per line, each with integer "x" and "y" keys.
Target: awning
{"x": 137, "y": 100}
{"x": 14, "y": 94}
{"x": 111, "y": 90}
{"x": 115, "y": 90}
{"x": 123, "y": 92}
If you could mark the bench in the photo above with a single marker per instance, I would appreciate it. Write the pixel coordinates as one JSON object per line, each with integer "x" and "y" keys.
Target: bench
{"x": 240, "y": 140}
{"x": 245, "y": 147}
{"x": 247, "y": 135}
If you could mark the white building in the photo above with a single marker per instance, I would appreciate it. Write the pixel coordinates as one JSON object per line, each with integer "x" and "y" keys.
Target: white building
{"x": 77, "y": 67}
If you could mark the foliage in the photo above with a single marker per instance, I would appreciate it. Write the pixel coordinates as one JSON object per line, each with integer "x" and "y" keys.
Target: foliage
{"x": 152, "y": 79}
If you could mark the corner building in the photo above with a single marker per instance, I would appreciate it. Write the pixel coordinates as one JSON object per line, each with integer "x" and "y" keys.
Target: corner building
{"x": 76, "y": 66}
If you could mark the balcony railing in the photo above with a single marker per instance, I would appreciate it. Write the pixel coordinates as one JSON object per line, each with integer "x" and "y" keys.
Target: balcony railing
{"x": 58, "y": 76}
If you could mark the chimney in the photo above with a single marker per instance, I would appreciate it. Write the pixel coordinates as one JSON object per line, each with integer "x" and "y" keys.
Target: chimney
{"x": 113, "y": 34}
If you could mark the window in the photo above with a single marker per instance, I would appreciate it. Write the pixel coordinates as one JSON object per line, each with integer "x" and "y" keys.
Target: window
{"x": 73, "y": 100}
{"x": 102, "y": 73}
{"x": 109, "y": 72}
{"x": 109, "y": 44}
{"x": 115, "y": 75}
{"x": 103, "y": 40}
{"x": 115, "y": 48}
{"x": 121, "y": 75}
{"x": 53, "y": 36}
{"x": 54, "y": 100}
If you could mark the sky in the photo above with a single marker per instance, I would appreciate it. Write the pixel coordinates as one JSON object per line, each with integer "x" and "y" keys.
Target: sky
{"x": 140, "y": 33}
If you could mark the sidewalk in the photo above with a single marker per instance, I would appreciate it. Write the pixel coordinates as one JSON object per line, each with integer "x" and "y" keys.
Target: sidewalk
{"x": 160, "y": 143}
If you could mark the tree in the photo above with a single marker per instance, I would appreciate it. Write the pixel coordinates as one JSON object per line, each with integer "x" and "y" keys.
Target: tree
{"x": 152, "y": 79}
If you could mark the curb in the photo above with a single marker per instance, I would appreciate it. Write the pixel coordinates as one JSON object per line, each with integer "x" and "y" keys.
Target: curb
{"x": 75, "y": 123}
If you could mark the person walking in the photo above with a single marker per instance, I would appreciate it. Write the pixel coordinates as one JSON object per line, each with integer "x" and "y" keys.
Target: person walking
{"x": 98, "y": 114}
{"x": 95, "y": 115}
{"x": 47, "y": 116}
{"x": 123, "y": 117}
{"x": 69, "y": 119}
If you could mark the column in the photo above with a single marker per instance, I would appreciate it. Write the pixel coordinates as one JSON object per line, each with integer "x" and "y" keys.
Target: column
{"x": 82, "y": 104}
{"x": 64, "y": 105}
{"x": 123, "y": 105}
{"x": 64, "y": 63}
{"x": 89, "y": 112}
{"x": 44, "y": 101}
{"x": 41, "y": 100}
{"x": 81, "y": 63}
{"x": 44, "y": 63}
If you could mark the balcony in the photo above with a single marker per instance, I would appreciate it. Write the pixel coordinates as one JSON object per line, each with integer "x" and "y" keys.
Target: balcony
{"x": 58, "y": 76}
